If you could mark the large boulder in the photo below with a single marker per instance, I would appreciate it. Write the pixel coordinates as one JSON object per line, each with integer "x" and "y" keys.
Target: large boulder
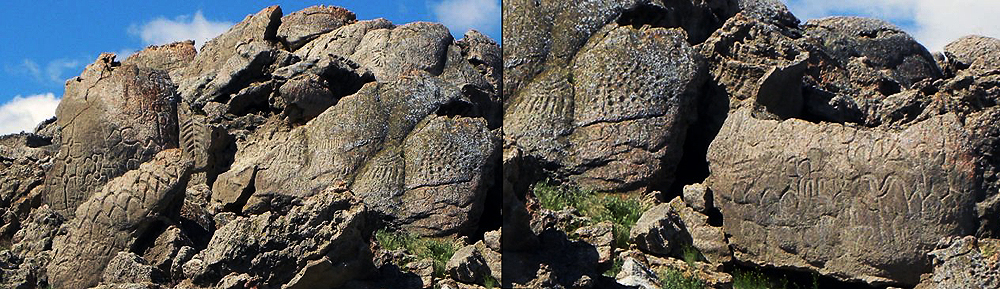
{"x": 858, "y": 63}
{"x": 364, "y": 141}
{"x": 300, "y": 27}
{"x": 114, "y": 117}
{"x": 322, "y": 240}
{"x": 618, "y": 116}
{"x": 793, "y": 193}
{"x": 111, "y": 220}
{"x": 964, "y": 262}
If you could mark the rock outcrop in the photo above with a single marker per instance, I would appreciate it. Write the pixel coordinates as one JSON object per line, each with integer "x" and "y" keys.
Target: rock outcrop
{"x": 839, "y": 146}
{"x": 268, "y": 158}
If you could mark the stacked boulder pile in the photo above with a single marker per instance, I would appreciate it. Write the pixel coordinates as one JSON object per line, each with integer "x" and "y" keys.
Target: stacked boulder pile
{"x": 839, "y": 147}
{"x": 267, "y": 158}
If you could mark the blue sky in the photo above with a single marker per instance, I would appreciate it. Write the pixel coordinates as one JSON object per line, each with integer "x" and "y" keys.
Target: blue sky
{"x": 49, "y": 42}
{"x": 45, "y": 44}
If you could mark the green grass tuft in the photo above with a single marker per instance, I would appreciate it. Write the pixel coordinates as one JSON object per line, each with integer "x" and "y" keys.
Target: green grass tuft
{"x": 438, "y": 250}
{"x": 489, "y": 282}
{"x": 616, "y": 266}
{"x": 757, "y": 280}
{"x": 750, "y": 280}
{"x": 674, "y": 279}
{"x": 622, "y": 211}
{"x": 690, "y": 254}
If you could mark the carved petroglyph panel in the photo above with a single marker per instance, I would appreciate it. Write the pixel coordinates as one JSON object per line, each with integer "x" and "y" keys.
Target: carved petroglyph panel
{"x": 842, "y": 200}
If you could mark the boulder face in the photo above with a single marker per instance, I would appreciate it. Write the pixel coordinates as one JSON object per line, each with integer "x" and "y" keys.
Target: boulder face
{"x": 267, "y": 158}
{"x": 848, "y": 202}
{"x": 840, "y": 146}
{"x": 611, "y": 130}
{"x": 111, "y": 220}
{"x": 114, "y": 117}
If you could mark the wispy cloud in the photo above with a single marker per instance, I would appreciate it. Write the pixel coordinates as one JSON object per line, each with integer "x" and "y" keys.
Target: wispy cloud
{"x": 161, "y": 30}
{"x": 53, "y": 74}
{"x": 934, "y": 23}
{"x": 462, "y": 15}
{"x": 24, "y": 113}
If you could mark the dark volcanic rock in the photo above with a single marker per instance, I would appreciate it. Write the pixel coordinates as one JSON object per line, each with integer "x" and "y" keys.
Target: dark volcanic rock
{"x": 113, "y": 117}
{"x": 111, "y": 220}
{"x": 611, "y": 131}
{"x": 323, "y": 235}
{"x": 793, "y": 193}
{"x": 300, "y": 27}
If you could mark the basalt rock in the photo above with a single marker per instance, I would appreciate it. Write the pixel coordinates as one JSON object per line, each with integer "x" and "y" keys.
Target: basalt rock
{"x": 113, "y": 117}
{"x": 323, "y": 236}
{"x": 111, "y": 220}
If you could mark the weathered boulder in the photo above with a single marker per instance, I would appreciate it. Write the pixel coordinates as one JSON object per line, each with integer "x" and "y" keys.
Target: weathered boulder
{"x": 364, "y": 140}
{"x": 23, "y": 161}
{"x": 170, "y": 57}
{"x": 618, "y": 115}
{"x": 467, "y": 265}
{"x": 298, "y": 28}
{"x": 636, "y": 274}
{"x": 860, "y": 62}
{"x": 114, "y": 117}
{"x": 667, "y": 228}
{"x": 229, "y": 63}
{"x": 111, "y": 220}
{"x": 658, "y": 231}
{"x": 975, "y": 52}
{"x": 127, "y": 267}
{"x": 964, "y": 262}
{"x": 697, "y": 197}
{"x": 792, "y": 193}
{"x": 320, "y": 238}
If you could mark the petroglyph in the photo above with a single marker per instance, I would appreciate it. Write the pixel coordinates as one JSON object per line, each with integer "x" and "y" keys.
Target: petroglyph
{"x": 886, "y": 197}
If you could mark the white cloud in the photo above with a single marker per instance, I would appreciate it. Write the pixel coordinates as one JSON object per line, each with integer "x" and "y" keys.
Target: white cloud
{"x": 462, "y": 15}
{"x": 24, "y": 113}
{"x": 934, "y": 23}
{"x": 56, "y": 67}
{"x": 163, "y": 31}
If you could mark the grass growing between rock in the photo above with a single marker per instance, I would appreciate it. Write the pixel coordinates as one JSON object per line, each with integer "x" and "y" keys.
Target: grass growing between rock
{"x": 675, "y": 279}
{"x": 690, "y": 254}
{"x": 616, "y": 266}
{"x": 621, "y": 210}
{"x": 438, "y": 250}
{"x": 757, "y": 280}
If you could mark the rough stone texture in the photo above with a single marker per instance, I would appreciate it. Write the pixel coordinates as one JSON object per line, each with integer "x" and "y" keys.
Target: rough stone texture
{"x": 111, "y": 220}
{"x": 611, "y": 131}
{"x": 229, "y": 166}
{"x": 975, "y": 52}
{"x": 166, "y": 248}
{"x": 858, "y": 204}
{"x": 168, "y": 57}
{"x": 113, "y": 118}
{"x": 365, "y": 140}
{"x": 964, "y": 263}
{"x": 601, "y": 235}
{"x": 697, "y": 197}
{"x": 324, "y": 235}
{"x": 23, "y": 161}
{"x": 127, "y": 267}
{"x": 298, "y": 28}
{"x": 863, "y": 61}
{"x": 636, "y": 274}
{"x": 232, "y": 60}
{"x": 658, "y": 231}
{"x": 467, "y": 265}
{"x": 556, "y": 261}
{"x": 709, "y": 240}
{"x": 23, "y": 265}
